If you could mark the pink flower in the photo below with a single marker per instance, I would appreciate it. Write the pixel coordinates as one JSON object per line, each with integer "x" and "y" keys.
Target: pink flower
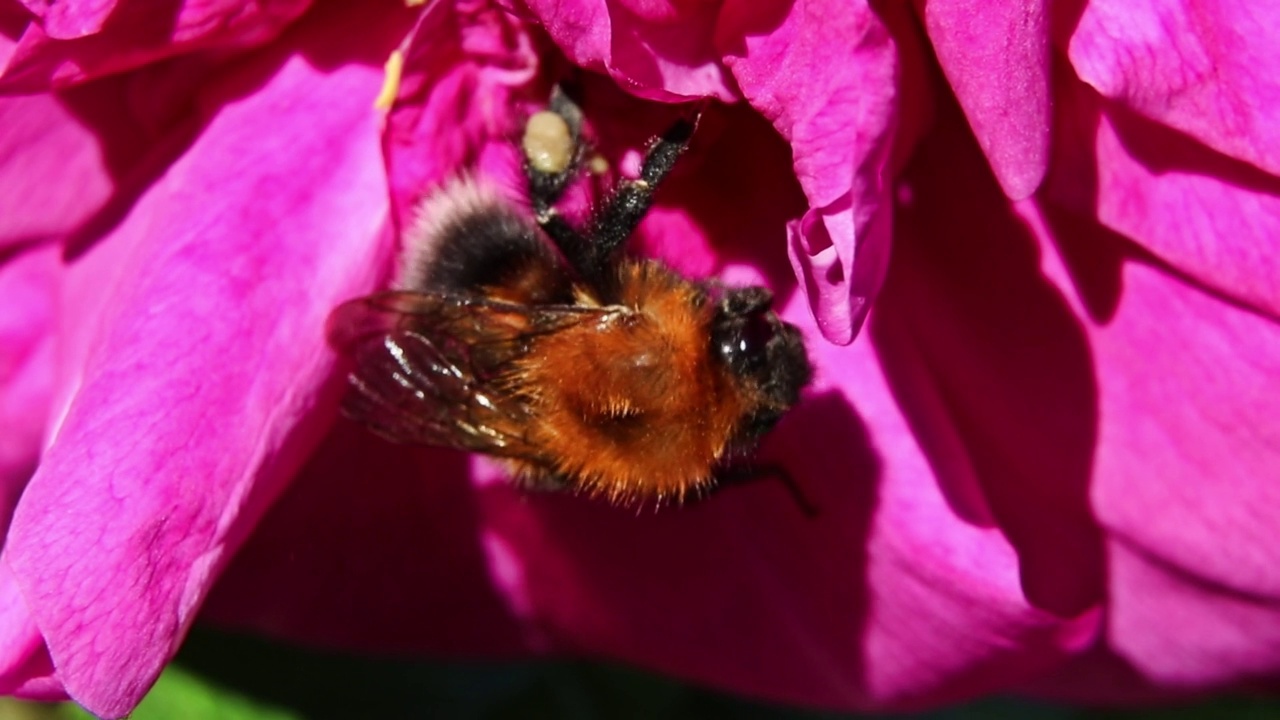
{"x": 1045, "y": 462}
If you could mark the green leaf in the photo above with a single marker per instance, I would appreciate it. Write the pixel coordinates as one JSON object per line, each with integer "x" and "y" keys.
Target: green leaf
{"x": 180, "y": 694}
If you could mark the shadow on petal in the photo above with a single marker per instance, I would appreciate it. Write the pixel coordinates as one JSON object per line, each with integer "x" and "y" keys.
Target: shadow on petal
{"x": 740, "y": 591}
{"x": 374, "y": 546}
{"x": 993, "y": 369}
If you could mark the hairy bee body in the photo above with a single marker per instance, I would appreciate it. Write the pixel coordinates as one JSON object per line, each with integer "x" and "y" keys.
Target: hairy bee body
{"x": 630, "y": 406}
{"x": 585, "y": 369}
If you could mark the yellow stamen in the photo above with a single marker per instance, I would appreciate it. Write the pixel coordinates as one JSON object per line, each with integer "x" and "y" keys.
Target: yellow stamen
{"x": 390, "y": 81}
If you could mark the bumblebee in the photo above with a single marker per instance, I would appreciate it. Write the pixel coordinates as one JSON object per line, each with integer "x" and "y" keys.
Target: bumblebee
{"x": 523, "y": 337}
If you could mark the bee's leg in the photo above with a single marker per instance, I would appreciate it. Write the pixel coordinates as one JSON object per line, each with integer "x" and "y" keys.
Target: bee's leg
{"x": 553, "y": 155}
{"x": 614, "y": 221}
{"x": 553, "y": 151}
{"x": 742, "y": 474}
{"x": 618, "y": 217}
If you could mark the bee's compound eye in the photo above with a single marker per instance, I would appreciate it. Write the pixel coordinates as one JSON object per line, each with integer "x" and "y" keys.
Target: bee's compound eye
{"x": 756, "y": 334}
{"x": 743, "y": 342}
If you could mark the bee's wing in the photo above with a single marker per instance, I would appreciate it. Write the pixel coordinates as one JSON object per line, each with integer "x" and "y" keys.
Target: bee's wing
{"x": 436, "y": 369}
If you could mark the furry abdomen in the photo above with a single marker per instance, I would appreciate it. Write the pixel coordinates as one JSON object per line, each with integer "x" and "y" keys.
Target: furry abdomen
{"x": 634, "y": 408}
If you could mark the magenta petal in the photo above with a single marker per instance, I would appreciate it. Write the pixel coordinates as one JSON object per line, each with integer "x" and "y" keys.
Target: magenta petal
{"x": 661, "y": 51}
{"x": 52, "y": 171}
{"x": 74, "y": 18}
{"x": 200, "y": 391}
{"x": 1213, "y": 218}
{"x": 1219, "y": 636}
{"x": 25, "y": 668}
{"x": 1183, "y": 473}
{"x": 1186, "y": 463}
{"x": 29, "y": 287}
{"x": 469, "y": 72}
{"x": 1210, "y": 69}
{"x": 996, "y": 58}
{"x": 825, "y": 77}
{"x": 76, "y": 41}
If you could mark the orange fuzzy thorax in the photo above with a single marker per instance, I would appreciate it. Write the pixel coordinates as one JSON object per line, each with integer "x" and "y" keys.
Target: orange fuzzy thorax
{"x": 635, "y": 408}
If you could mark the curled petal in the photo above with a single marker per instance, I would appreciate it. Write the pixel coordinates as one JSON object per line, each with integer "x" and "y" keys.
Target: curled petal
{"x": 826, "y": 78}
{"x": 201, "y": 387}
{"x": 656, "y": 50}
{"x": 70, "y": 42}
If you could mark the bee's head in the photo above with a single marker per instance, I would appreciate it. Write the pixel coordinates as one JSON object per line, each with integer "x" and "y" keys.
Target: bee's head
{"x": 761, "y": 351}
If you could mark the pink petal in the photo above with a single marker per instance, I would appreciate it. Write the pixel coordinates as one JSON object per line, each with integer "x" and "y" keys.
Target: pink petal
{"x": 889, "y": 599}
{"x": 1183, "y": 468}
{"x": 655, "y": 50}
{"x": 467, "y": 70}
{"x": 996, "y": 58}
{"x": 399, "y": 567}
{"x": 200, "y": 390}
{"x": 29, "y": 286}
{"x": 1206, "y": 67}
{"x": 71, "y": 42}
{"x": 1210, "y": 217}
{"x": 1214, "y": 219}
{"x": 25, "y": 668}
{"x": 73, "y": 19}
{"x": 53, "y": 175}
{"x": 825, "y": 78}
{"x": 1182, "y": 632}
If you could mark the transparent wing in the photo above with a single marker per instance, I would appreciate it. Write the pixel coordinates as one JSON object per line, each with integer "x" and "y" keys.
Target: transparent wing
{"x": 440, "y": 369}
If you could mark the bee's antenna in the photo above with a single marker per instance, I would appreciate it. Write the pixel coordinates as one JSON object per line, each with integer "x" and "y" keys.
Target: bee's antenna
{"x": 808, "y": 508}
{"x": 742, "y": 474}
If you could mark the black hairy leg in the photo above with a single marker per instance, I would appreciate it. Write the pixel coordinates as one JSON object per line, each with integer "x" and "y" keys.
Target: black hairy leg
{"x": 591, "y": 254}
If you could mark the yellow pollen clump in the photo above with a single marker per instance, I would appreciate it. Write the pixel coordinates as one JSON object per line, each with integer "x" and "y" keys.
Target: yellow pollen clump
{"x": 548, "y": 142}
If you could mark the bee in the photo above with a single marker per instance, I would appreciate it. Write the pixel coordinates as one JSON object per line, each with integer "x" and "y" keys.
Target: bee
{"x": 526, "y": 338}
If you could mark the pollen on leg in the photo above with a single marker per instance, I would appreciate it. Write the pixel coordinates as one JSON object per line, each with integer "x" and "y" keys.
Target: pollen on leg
{"x": 548, "y": 143}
